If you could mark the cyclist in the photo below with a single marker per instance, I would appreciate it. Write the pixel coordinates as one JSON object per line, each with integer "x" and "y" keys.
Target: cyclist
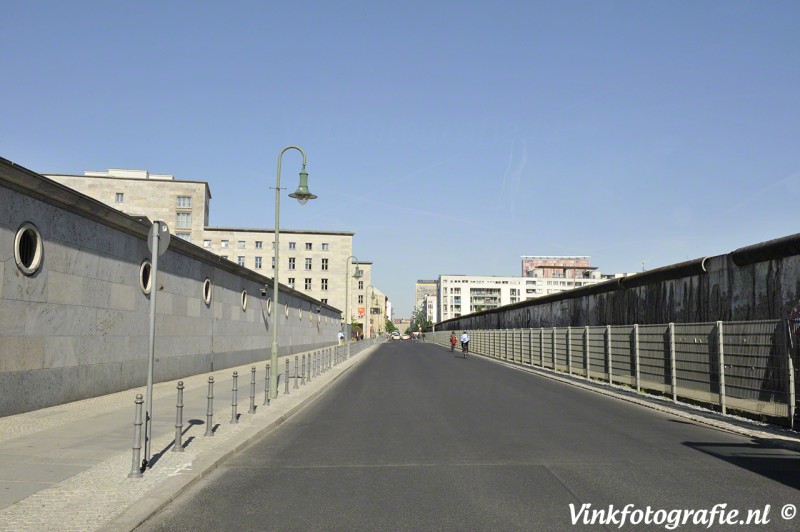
{"x": 465, "y": 343}
{"x": 453, "y": 341}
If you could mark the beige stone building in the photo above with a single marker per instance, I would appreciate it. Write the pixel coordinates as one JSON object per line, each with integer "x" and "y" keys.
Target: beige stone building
{"x": 182, "y": 204}
{"x": 312, "y": 262}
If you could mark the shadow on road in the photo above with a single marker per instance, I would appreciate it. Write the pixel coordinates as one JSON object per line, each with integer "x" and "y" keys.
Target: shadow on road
{"x": 763, "y": 457}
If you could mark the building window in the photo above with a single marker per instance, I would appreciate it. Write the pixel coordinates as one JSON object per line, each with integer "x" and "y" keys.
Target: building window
{"x": 184, "y": 220}
{"x": 292, "y": 245}
{"x": 324, "y": 301}
{"x": 206, "y": 243}
{"x": 308, "y": 283}
{"x": 273, "y": 263}
{"x": 308, "y": 246}
{"x": 308, "y": 264}
{"x": 324, "y": 247}
{"x": 184, "y": 202}
{"x": 259, "y": 244}
{"x": 225, "y": 257}
{"x": 361, "y": 285}
{"x": 184, "y": 235}
{"x": 324, "y": 264}
{"x": 360, "y": 300}
{"x": 291, "y": 263}
{"x": 119, "y": 197}
{"x": 224, "y": 244}
{"x": 324, "y": 284}
{"x": 258, "y": 263}
{"x": 240, "y": 244}
{"x": 291, "y": 282}
{"x": 240, "y": 260}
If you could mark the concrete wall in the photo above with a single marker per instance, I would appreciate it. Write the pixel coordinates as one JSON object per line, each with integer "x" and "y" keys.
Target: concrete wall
{"x": 79, "y": 326}
{"x": 752, "y": 283}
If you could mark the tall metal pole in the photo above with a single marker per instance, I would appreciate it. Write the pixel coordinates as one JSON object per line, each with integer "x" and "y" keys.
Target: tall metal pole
{"x": 148, "y": 423}
{"x": 273, "y": 386}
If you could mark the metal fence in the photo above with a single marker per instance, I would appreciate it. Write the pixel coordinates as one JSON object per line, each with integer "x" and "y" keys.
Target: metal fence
{"x": 746, "y": 367}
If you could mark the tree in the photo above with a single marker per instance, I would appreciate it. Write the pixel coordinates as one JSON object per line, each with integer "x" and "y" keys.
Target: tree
{"x": 390, "y": 328}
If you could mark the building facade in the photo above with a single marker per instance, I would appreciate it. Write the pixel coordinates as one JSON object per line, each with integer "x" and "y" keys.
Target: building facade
{"x": 312, "y": 262}
{"x": 459, "y": 295}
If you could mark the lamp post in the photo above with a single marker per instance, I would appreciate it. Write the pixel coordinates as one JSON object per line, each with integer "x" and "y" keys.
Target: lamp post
{"x": 302, "y": 195}
{"x": 357, "y": 274}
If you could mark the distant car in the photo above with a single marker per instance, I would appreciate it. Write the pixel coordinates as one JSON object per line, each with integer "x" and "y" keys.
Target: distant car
{"x": 395, "y": 335}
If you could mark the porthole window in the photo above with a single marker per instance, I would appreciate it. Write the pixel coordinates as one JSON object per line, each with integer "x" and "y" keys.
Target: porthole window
{"x": 28, "y": 248}
{"x": 145, "y": 277}
{"x": 207, "y": 291}
{"x": 286, "y": 310}
{"x": 269, "y": 306}
{"x": 244, "y": 299}
{"x": 300, "y": 314}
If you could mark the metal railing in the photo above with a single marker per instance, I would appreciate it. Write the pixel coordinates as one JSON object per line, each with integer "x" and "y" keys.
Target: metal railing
{"x": 745, "y": 366}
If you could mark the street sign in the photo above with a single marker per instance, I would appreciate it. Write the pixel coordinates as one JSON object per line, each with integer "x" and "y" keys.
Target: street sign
{"x": 163, "y": 237}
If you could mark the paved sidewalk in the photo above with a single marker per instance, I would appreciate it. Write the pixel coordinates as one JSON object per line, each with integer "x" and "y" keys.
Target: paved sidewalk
{"x": 66, "y": 467}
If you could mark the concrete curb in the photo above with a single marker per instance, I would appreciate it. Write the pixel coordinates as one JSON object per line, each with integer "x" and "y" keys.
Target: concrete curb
{"x": 156, "y": 499}
{"x": 741, "y": 426}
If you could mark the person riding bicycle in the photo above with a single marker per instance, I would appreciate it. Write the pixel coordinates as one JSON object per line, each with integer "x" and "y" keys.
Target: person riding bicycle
{"x": 453, "y": 340}
{"x": 465, "y": 341}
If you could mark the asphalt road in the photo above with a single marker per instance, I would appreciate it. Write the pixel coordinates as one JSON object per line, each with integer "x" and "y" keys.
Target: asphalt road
{"x": 416, "y": 438}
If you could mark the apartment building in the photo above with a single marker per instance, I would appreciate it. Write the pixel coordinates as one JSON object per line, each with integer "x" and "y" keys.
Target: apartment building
{"x": 312, "y": 262}
{"x": 464, "y": 294}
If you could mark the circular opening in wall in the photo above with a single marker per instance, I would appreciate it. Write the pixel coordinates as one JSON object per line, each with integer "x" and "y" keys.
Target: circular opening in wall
{"x": 145, "y": 279}
{"x": 286, "y": 310}
{"x": 300, "y": 314}
{"x": 244, "y": 299}
{"x": 207, "y": 291}
{"x": 269, "y": 305}
{"x": 28, "y": 248}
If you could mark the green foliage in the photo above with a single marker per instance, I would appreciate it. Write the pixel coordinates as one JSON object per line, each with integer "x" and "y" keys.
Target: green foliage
{"x": 390, "y": 327}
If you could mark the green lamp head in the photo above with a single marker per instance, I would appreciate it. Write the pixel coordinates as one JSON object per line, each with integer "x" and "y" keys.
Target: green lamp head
{"x": 302, "y": 194}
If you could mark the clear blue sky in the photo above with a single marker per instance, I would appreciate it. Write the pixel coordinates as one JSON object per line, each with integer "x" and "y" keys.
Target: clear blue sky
{"x": 451, "y": 137}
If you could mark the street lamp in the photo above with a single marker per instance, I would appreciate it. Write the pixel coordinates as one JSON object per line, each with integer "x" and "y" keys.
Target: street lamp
{"x": 347, "y": 320}
{"x": 302, "y": 195}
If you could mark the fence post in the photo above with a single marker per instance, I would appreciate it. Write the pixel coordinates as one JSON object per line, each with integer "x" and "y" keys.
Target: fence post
{"x": 530, "y": 346}
{"x": 723, "y": 407}
{"x": 252, "y": 390}
{"x": 569, "y": 349}
{"x": 303, "y": 371}
{"x": 672, "y": 369}
{"x": 266, "y": 385}
{"x": 553, "y": 347}
{"x": 541, "y": 347}
{"x": 296, "y": 374}
{"x": 136, "y": 466}
{"x": 235, "y": 397}
{"x": 177, "y": 447}
{"x": 790, "y": 395}
{"x": 636, "y": 356}
{"x": 210, "y": 408}
{"x": 587, "y": 362}
{"x": 608, "y": 354}
{"x": 286, "y": 390}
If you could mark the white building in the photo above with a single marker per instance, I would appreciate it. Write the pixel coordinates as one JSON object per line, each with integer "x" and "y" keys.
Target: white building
{"x": 459, "y": 295}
